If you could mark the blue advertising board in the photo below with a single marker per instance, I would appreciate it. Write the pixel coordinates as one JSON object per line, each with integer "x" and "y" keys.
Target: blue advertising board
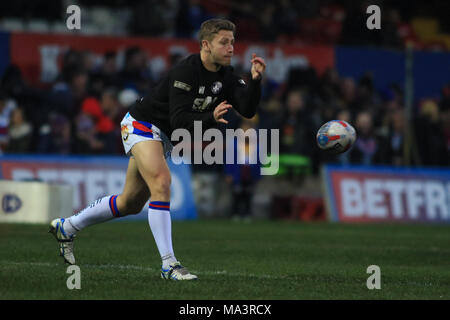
{"x": 431, "y": 70}
{"x": 95, "y": 177}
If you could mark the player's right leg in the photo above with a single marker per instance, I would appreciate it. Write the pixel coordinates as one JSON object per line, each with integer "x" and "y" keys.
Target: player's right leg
{"x": 153, "y": 168}
{"x": 130, "y": 201}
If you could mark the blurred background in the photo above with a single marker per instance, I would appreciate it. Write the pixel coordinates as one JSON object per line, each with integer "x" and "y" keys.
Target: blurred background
{"x": 64, "y": 92}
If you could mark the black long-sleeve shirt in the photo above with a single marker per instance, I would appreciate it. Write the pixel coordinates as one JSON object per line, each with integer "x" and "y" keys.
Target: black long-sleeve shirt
{"x": 191, "y": 93}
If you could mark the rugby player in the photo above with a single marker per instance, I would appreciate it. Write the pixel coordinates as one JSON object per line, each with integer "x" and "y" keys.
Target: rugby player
{"x": 202, "y": 87}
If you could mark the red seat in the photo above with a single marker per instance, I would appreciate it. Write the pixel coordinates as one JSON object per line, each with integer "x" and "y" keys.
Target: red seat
{"x": 308, "y": 208}
{"x": 304, "y": 208}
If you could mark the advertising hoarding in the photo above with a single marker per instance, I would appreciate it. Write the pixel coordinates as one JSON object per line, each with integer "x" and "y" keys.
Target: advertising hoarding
{"x": 95, "y": 177}
{"x": 387, "y": 194}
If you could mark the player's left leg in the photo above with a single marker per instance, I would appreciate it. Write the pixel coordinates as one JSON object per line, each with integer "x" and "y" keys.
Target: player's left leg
{"x": 130, "y": 201}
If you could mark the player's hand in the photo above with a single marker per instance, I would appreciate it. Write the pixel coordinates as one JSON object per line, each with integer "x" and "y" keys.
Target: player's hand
{"x": 258, "y": 67}
{"x": 220, "y": 110}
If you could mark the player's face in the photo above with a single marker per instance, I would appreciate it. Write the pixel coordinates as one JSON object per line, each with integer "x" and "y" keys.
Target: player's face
{"x": 222, "y": 47}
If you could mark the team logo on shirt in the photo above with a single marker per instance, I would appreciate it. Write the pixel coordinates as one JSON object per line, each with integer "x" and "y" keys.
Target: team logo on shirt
{"x": 201, "y": 104}
{"x": 216, "y": 87}
{"x": 124, "y": 132}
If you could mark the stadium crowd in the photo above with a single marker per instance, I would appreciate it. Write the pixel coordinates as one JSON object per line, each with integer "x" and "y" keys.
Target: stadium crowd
{"x": 314, "y": 21}
{"x": 81, "y": 111}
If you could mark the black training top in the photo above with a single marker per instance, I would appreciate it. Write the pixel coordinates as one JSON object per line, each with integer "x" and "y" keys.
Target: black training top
{"x": 191, "y": 93}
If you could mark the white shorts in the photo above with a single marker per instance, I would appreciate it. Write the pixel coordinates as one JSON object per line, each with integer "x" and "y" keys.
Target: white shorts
{"x": 134, "y": 131}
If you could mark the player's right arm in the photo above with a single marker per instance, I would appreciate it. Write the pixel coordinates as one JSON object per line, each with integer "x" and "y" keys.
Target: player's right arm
{"x": 182, "y": 92}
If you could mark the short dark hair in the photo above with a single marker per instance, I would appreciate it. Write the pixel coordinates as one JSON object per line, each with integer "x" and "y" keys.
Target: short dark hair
{"x": 212, "y": 26}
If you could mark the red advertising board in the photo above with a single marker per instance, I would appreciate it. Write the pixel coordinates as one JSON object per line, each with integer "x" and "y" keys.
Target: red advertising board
{"x": 380, "y": 194}
{"x": 39, "y": 55}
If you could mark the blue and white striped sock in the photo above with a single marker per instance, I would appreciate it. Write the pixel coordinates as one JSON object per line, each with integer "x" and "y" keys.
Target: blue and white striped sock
{"x": 100, "y": 210}
{"x": 161, "y": 225}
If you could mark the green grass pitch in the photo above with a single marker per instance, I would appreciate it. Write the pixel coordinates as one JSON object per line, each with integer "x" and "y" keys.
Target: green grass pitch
{"x": 260, "y": 260}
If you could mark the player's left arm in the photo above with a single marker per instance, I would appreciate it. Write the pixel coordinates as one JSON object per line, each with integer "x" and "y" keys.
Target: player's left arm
{"x": 245, "y": 97}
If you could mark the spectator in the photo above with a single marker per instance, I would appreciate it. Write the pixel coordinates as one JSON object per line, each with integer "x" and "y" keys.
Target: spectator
{"x": 111, "y": 107}
{"x": 196, "y": 15}
{"x": 271, "y": 113}
{"x": 366, "y": 146}
{"x": 392, "y": 143}
{"x": 298, "y": 126}
{"x": 444, "y": 107}
{"x": 69, "y": 91}
{"x": 153, "y": 17}
{"x": 266, "y": 23}
{"x": 6, "y": 108}
{"x": 108, "y": 71}
{"x": 444, "y": 104}
{"x": 55, "y": 135}
{"x": 242, "y": 175}
{"x": 299, "y": 77}
{"x": 95, "y": 129}
{"x": 20, "y": 133}
{"x": 430, "y": 137}
{"x": 365, "y": 92}
{"x": 345, "y": 115}
{"x": 329, "y": 88}
{"x": 12, "y": 84}
{"x": 389, "y": 32}
{"x": 113, "y": 112}
{"x": 183, "y": 27}
{"x": 286, "y": 18}
{"x": 86, "y": 140}
{"x": 136, "y": 73}
{"x": 348, "y": 93}
{"x": 446, "y": 125}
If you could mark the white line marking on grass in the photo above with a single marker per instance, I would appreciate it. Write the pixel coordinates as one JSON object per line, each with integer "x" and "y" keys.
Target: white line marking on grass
{"x": 141, "y": 268}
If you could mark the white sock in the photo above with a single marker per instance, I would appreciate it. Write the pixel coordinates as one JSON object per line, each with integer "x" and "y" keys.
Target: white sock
{"x": 161, "y": 225}
{"x": 100, "y": 210}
